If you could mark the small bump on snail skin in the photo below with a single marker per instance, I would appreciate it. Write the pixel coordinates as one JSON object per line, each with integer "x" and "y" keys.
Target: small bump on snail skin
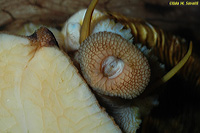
{"x": 29, "y": 28}
{"x": 112, "y": 66}
{"x": 43, "y": 37}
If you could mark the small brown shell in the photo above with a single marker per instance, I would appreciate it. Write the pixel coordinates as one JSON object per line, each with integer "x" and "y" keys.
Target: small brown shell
{"x": 136, "y": 72}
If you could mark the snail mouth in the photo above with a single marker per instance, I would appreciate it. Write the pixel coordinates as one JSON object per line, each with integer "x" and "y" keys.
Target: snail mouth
{"x": 112, "y": 67}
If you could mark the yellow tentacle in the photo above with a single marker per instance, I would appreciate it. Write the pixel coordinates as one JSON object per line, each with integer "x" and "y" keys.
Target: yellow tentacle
{"x": 170, "y": 74}
{"x": 175, "y": 69}
{"x": 85, "y": 28}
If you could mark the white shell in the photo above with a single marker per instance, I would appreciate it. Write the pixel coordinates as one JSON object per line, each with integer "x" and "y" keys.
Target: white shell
{"x": 71, "y": 29}
{"x": 73, "y": 36}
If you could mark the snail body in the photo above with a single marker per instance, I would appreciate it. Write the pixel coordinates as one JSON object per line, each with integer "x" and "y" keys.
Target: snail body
{"x": 112, "y": 66}
{"x": 115, "y": 68}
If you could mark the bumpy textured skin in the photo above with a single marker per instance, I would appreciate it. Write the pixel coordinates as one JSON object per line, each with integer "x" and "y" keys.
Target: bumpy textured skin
{"x": 126, "y": 115}
{"x": 136, "y": 73}
{"x": 169, "y": 48}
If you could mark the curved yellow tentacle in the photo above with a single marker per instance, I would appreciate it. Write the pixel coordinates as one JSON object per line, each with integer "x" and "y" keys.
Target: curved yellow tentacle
{"x": 152, "y": 87}
{"x": 172, "y": 72}
{"x": 85, "y": 28}
{"x": 175, "y": 69}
